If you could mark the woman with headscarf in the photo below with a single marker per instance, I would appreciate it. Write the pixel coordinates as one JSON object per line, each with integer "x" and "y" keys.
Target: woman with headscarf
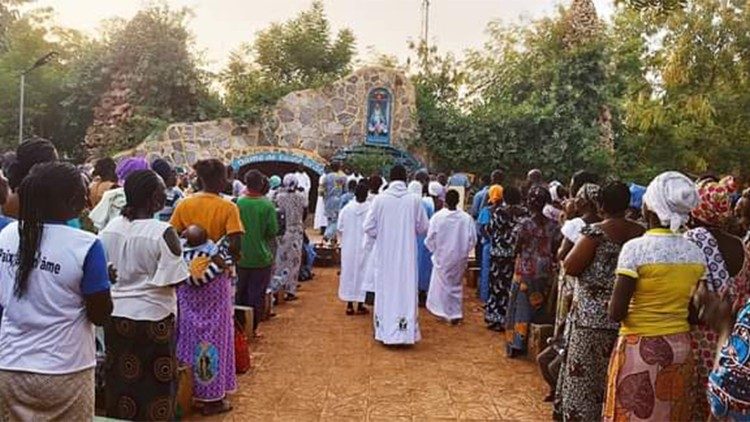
{"x": 437, "y": 193}
{"x": 291, "y": 202}
{"x": 113, "y": 200}
{"x": 727, "y": 269}
{"x": 507, "y": 211}
{"x": 537, "y": 240}
{"x": 274, "y": 183}
{"x": 651, "y": 369}
{"x": 591, "y": 333}
{"x": 424, "y": 256}
{"x": 494, "y": 198}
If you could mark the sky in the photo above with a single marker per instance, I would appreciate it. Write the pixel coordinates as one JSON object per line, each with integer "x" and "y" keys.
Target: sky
{"x": 384, "y": 26}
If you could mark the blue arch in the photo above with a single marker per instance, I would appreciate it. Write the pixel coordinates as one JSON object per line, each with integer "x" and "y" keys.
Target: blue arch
{"x": 285, "y": 157}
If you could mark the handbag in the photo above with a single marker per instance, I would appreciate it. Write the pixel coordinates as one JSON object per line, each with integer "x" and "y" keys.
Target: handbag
{"x": 242, "y": 362}
{"x": 370, "y": 298}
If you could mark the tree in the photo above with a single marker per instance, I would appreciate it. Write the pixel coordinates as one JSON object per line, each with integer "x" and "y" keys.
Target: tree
{"x": 532, "y": 97}
{"x": 297, "y": 54}
{"x": 300, "y": 52}
{"x": 26, "y": 38}
{"x": 151, "y": 77}
{"x": 695, "y": 117}
{"x": 660, "y": 6}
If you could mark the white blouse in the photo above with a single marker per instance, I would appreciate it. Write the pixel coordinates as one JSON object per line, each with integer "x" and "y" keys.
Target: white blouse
{"x": 147, "y": 270}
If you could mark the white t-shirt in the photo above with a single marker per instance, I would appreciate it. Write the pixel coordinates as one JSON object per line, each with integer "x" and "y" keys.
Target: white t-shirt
{"x": 147, "y": 270}
{"x": 47, "y": 330}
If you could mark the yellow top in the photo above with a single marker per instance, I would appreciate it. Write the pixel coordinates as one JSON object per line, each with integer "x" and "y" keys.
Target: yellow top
{"x": 666, "y": 267}
{"x": 218, "y": 216}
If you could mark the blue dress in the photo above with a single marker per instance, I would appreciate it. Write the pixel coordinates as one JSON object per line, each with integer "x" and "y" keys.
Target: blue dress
{"x": 424, "y": 256}
{"x": 485, "y": 216}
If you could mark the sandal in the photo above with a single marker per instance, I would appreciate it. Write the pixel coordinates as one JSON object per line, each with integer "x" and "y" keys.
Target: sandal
{"x": 350, "y": 311}
{"x": 216, "y": 408}
{"x": 290, "y": 297}
{"x": 362, "y": 311}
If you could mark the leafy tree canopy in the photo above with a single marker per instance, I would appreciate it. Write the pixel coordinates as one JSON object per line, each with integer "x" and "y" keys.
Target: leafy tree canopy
{"x": 297, "y": 54}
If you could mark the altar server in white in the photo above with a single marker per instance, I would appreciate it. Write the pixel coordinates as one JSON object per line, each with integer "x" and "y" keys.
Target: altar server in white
{"x": 394, "y": 220}
{"x": 352, "y": 234}
{"x": 451, "y": 237}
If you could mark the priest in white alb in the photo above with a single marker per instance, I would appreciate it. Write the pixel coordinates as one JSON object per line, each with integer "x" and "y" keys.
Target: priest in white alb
{"x": 395, "y": 219}
{"x": 353, "y": 258}
{"x": 451, "y": 237}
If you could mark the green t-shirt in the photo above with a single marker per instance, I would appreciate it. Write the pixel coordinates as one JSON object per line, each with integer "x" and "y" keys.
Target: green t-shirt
{"x": 258, "y": 216}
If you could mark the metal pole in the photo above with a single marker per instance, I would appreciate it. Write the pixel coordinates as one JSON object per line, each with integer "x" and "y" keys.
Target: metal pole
{"x": 20, "y": 109}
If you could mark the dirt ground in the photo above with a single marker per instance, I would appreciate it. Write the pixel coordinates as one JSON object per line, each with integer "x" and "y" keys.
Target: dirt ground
{"x": 316, "y": 363}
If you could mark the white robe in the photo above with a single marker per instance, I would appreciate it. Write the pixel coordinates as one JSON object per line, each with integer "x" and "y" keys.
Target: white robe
{"x": 368, "y": 244}
{"x": 303, "y": 181}
{"x": 352, "y": 234}
{"x": 394, "y": 219}
{"x": 320, "y": 220}
{"x": 451, "y": 239}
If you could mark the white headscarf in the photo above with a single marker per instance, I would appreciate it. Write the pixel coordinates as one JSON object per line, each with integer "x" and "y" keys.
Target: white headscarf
{"x": 415, "y": 187}
{"x": 435, "y": 188}
{"x": 290, "y": 182}
{"x": 671, "y": 196}
{"x": 553, "y": 187}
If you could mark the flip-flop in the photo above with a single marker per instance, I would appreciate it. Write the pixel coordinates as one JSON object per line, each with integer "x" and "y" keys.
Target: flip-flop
{"x": 216, "y": 410}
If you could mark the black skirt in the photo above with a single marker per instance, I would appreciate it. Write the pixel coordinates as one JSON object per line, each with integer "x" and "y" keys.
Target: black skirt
{"x": 140, "y": 369}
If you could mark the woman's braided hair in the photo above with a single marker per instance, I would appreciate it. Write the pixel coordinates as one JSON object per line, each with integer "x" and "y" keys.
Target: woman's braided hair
{"x": 47, "y": 187}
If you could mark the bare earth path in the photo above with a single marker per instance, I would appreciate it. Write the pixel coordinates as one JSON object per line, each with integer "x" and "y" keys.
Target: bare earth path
{"x": 316, "y": 363}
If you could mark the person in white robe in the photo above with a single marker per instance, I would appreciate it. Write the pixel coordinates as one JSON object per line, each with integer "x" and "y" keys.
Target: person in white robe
{"x": 352, "y": 233}
{"x": 303, "y": 180}
{"x": 394, "y": 219}
{"x": 320, "y": 221}
{"x": 451, "y": 238}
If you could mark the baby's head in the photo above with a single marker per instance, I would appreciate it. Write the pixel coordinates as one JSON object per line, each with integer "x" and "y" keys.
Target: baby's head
{"x": 195, "y": 235}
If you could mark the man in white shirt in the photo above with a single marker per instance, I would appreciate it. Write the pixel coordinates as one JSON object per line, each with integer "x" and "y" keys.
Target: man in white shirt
{"x": 451, "y": 238}
{"x": 303, "y": 180}
{"x": 395, "y": 218}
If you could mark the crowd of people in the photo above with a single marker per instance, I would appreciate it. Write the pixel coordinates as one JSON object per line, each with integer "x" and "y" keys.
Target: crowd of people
{"x": 646, "y": 287}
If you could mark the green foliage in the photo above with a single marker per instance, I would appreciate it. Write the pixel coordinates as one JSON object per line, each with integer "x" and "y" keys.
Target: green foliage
{"x": 528, "y": 101}
{"x": 154, "y": 50}
{"x": 297, "y": 54}
{"x": 368, "y": 162}
{"x": 26, "y": 40}
{"x": 676, "y": 85}
{"x": 301, "y": 52}
{"x": 696, "y": 116}
{"x": 660, "y": 6}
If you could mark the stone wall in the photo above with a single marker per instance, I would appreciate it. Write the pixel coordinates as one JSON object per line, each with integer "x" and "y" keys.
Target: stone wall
{"x": 313, "y": 122}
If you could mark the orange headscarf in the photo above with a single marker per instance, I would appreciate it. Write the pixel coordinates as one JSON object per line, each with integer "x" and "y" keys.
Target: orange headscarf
{"x": 495, "y": 194}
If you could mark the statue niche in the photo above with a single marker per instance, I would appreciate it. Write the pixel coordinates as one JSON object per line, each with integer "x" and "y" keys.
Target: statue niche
{"x": 379, "y": 117}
